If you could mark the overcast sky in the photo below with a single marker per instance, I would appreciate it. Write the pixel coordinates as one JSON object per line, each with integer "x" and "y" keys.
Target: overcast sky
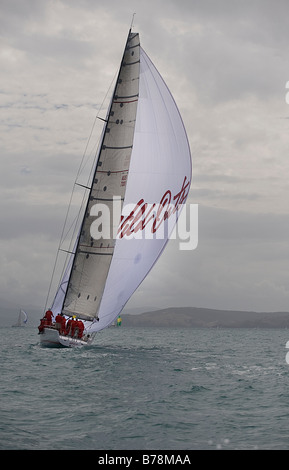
{"x": 226, "y": 63}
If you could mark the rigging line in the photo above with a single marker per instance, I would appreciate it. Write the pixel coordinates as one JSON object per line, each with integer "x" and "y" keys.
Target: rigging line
{"x": 82, "y": 166}
{"x": 58, "y": 249}
{"x": 83, "y": 186}
{"x": 73, "y": 227}
{"x": 80, "y": 169}
{"x": 66, "y": 251}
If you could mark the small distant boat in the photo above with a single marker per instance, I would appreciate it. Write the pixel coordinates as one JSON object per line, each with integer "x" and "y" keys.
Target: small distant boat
{"x": 22, "y": 319}
{"x": 144, "y": 161}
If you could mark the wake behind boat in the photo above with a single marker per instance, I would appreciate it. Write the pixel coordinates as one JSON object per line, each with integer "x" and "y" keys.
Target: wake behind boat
{"x": 143, "y": 167}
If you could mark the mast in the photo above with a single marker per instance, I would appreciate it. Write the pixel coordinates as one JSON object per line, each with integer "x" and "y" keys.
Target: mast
{"x": 92, "y": 257}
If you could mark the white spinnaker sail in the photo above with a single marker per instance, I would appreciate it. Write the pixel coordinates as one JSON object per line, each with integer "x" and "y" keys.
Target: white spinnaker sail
{"x": 160, "y": 170}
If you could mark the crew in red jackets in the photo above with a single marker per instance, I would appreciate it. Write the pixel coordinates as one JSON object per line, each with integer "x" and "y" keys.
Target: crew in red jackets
{"x": 45, "y": 321}
{"x": 48, "y": 318}
{"x": 80, "y": 327}
{"x": 63, "y": 326}
{"x": 73, "y": 326}
{"x": 41, "y": 326}
{"x": 60, "y": 323}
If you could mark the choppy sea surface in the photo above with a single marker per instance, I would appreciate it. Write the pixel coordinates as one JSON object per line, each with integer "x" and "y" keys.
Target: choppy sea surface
{"x": 146, "y": 388}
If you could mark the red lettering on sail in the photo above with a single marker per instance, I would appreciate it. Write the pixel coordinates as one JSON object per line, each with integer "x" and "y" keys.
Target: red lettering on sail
{"x": 144, "y": 213}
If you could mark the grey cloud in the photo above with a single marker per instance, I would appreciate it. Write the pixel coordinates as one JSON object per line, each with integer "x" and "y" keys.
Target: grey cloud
{"x": 240, "y": 262}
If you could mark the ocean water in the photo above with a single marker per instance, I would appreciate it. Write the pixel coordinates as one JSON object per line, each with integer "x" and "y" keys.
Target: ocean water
{"x": 145, "y": 388}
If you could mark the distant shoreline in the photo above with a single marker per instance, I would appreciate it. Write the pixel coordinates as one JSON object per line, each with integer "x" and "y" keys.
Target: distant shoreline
{"x": 174, "y": 317}
{"x": 194, "y": 317}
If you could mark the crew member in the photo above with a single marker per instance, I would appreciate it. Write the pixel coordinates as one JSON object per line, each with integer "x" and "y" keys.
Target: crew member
{"x": 48, "y": 318}
{"x": 41, "y": 326}
{"x": 73, "y": 326}
{"x": 80, "y": 326}
{"x": 68, "y": 326}
{"x": 60, "y": 323}
{"x": 63, "y": 322}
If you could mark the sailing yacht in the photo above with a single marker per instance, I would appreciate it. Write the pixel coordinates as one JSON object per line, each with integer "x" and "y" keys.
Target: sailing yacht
{"x": 22, "y": 319}
{"x": 143, "y": 165}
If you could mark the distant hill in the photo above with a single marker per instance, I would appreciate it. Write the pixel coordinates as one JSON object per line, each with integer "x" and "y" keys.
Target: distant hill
{"x": 194, "y": 317}
{"x": 173, "y": 317}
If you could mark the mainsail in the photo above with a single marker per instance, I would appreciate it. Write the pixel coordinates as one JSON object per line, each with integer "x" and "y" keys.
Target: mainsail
{"x": 93, "y": 257}
{"x": 144, "y": 160}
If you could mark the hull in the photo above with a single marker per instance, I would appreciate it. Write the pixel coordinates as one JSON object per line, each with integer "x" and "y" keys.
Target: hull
{"x": 51, "y": 338}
